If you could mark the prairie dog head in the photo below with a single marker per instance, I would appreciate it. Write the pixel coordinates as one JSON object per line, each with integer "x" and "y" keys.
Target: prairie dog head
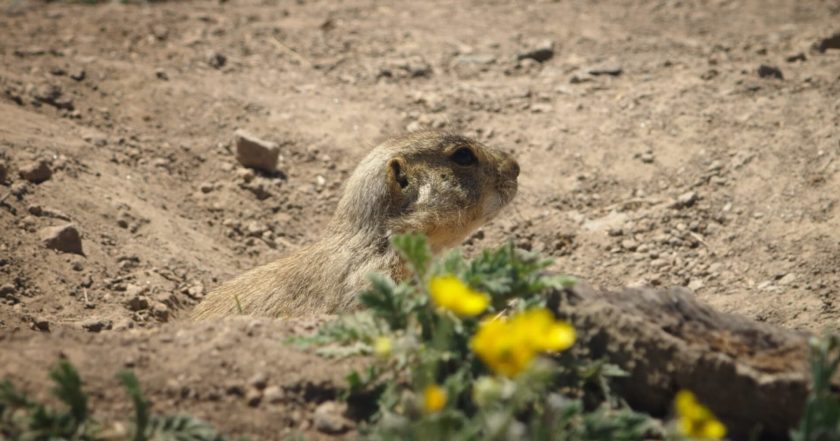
{"x": 440, "y": 184}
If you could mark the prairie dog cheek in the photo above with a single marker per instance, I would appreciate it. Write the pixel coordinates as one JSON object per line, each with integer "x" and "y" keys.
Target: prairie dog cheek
{"x": 492, "y": 204}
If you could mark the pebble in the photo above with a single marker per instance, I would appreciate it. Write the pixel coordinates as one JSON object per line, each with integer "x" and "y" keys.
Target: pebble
{"x": 787, "y": 279}
{"x": 7, "y": 290}
{"x": 160, "y": 311}
{"x": 137, "y": 303}
{"x": 258, "y": 381}
{"x": 205, "y": 187}
{"x": 541, "y": 52}
{"x": 40, "y": 324}
{"x": 629, "y": 244}
{"x": 273, "y": 394}
{"x": 767, "y": 71}
{"x": 611, "y": 69}
{"x": 799, "y": 56}
{"x": 36, "y": 171}
{"x": 97, "y": 325}
{"x": 832, "y": 42}
{"x": 64, "y": 238}
{"x": 253, "y": 397}
{"x": 78, "y": 74}
{"x": 328, "y": 418}
{"x": 216, "y": 60}
{"x": 256, "y": 153}
{"x": 685, "y": 200}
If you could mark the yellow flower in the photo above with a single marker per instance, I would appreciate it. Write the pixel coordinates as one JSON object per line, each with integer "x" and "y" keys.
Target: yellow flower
{"x": 544, "y": 333}
{"x": 501, "y": 347}
{"x": 449, "y": 292}
{"x": 696, "y": 420}
{"x": 508, "y": 346}
{"x": 434, "y": 398}
{"x": 382, "y": 346}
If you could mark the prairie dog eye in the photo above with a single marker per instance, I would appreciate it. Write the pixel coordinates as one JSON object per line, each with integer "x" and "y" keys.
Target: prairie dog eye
{"x": 463, "y": 156}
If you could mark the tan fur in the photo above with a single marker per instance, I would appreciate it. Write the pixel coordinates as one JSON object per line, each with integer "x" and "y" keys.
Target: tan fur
{"x": 442, "y": 199}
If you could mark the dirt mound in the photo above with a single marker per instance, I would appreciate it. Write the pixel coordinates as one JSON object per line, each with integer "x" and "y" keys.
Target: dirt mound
{"x": 653, "y": 151}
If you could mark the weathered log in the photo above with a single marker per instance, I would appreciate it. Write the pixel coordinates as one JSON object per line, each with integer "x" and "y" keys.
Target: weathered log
{"x": 752, "y": 375}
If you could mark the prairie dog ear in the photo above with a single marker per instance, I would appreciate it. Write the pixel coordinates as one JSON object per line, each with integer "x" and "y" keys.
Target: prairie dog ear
{"x": 397, "y": 176}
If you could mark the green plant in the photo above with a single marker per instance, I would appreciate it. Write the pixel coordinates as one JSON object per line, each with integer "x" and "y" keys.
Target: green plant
{"x": 467, "y": 350}
{"x": 22, "y": 419}
{"x": 821, "y": 418}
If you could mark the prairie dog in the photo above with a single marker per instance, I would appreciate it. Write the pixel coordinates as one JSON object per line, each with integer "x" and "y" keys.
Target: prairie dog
{"x": 437, "y": 183}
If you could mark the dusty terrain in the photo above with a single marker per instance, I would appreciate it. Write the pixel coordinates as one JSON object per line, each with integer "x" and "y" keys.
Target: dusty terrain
{"x": 655, "y": 150}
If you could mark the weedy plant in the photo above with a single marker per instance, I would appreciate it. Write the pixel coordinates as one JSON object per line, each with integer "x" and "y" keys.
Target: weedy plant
{"x": 22, "y": 419}
{"x": 821, "y": 418}
{"x": 468, "y": 350}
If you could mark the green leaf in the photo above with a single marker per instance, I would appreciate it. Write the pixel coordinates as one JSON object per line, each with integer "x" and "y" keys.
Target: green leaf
{"x": 414, "y": 248}
{"x": 141, "y": 405}
{"x": 68, "y": 389}
{"x": 182, "y": 428}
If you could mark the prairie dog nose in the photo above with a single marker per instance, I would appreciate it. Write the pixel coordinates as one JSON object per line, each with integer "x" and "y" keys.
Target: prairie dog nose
{"x": 510, "y": 168}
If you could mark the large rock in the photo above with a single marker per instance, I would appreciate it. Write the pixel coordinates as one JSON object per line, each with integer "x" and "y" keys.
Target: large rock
{"x": 36, "y": 171}
{"x": 256, "y": 153}
{"x": 64, "y": 238}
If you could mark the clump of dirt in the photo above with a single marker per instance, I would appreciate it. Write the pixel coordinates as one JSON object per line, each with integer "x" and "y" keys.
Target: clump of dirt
{"x": 655, "y": 149}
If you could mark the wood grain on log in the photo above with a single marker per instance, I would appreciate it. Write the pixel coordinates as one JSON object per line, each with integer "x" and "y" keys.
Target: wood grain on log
{"x": 752, "y": 375}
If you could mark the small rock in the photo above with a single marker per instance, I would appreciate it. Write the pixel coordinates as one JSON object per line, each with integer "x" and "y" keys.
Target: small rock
{"x": 696, "y": 285}
{"x": 646, "y": 157}
{"x": 58, "y": 71}
{"x": 629, "y": 244}
{"x": 273, "y": 394}
{"x": 258, "y": 381}
{"x": 766, "y": 285}
{"x": 767, "y": 71}
{"x": 685, "y": 200}
{"x": 7, "y": 290}
{"x": 328, "y": 418}
{"x": 35, "y": 210}
{"x": 541, "y": 52}
{"x": 64, "y": 238}
{"x": 96, "y": 325}
{"x": 256, "y": 153}
{"x": 832, "y": 42}
{"x": 611, "y": 69}
{"x": 579, "y": 78}
{"x": 36, "y": 172}
{"x": 78, "y": 74}
{"x": 196, "y": 291}
{"x": 216, "y": 60}
{"x": 3, "y": 172}
{"x": 205, "y": 187}
{"x": 137, "y": 303}
{"x": 253, "y": 397}
{"x": 787, "y": 279}
{"x": 20, "y": 188}
{"x": 234, "y": 389}
{"x": 477, "y": 59}
{"x": 160, "y": 311}
{"x": 40, "y": 324}
{"x": 161, "y": 74}
{"x": 799, "y": 56}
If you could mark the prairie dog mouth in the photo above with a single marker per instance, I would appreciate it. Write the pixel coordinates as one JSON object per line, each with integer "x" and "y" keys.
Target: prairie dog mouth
{"x": 493, "y": 204}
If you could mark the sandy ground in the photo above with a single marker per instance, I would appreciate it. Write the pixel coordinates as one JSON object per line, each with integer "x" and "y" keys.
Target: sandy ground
{"x": 692, "y": 143}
